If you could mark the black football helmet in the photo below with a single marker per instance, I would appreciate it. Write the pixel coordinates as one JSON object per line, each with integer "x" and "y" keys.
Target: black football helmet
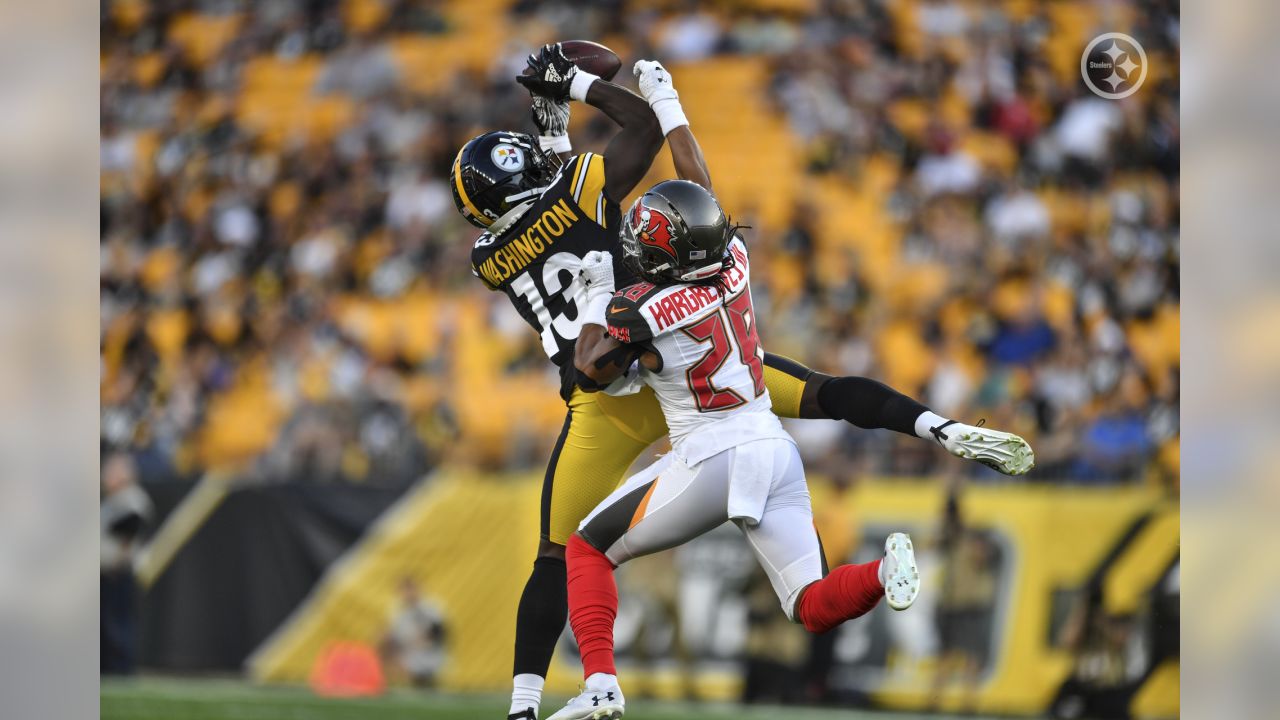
{"x": 495, "y": 173}
{"x": 676, "y": 232}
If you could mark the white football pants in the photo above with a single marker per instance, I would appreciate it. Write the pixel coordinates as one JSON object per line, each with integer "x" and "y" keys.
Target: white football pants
{"x": 670, "y": 503}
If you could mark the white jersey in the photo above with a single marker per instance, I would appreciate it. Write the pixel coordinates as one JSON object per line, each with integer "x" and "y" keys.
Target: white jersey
{"x": 711, "y": 383}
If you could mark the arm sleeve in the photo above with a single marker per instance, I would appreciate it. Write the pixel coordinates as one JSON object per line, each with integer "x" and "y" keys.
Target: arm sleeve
{"x": 587, "y": 187}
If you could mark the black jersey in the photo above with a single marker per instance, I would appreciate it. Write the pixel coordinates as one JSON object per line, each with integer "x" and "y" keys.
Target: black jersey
{"x": 536, "y": 261}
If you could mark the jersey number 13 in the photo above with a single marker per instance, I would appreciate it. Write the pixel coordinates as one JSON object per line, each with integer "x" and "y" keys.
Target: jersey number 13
{"x": 552, "y": 303}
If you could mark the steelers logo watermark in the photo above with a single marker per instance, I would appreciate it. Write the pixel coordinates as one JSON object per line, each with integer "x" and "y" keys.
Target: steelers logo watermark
{"x": 1114, "y": 66}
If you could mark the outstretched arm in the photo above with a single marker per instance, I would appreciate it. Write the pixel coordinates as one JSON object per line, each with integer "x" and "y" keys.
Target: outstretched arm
{"x": 687, "y": 155}
{"x": 630, "y": 152}
{"x": 657, "y": 88}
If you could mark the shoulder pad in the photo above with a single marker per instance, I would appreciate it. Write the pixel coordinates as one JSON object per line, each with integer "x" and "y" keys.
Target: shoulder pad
{"x": 479, "y": 253}
{"x": 586, "y": 186}
{"x": 625, "y": 321}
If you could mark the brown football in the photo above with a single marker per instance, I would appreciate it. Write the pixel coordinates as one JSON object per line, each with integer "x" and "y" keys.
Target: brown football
{"x": 592, "y": 57}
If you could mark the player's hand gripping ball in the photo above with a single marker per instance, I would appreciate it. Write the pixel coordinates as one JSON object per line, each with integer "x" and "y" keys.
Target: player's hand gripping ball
{"x": 597, "y": 270}
{"x": 550, "y": 70}
{"x": 549, "y": 73}
{"x": 655, "y": 81}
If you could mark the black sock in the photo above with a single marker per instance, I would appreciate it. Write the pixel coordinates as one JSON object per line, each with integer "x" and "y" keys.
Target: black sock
{"x": 869, "y": 404}
{"x": 544, "y": 610}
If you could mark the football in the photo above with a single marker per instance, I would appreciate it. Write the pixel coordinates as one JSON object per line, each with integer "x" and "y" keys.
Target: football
{"x": 592, "y": 57}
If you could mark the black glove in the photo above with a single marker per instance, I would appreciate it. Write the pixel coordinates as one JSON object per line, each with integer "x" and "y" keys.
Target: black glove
{"x": 550, "y": 73}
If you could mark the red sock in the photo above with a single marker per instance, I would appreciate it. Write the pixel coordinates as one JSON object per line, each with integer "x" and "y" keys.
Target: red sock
{"x": 593, "y": 604}
{"x": 849, "y": 591}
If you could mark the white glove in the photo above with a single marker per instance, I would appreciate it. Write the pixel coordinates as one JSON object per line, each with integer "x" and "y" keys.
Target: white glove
{"x": 596, "y": 275}
{"x": 597, "y": 271}
{"x": 656, "y": 87}
{"x": 655, "y": 81}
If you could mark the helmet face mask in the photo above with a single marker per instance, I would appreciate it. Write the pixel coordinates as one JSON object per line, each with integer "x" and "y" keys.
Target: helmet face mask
{"x": 495, "y": 173}
{"x": 676, "y": 232}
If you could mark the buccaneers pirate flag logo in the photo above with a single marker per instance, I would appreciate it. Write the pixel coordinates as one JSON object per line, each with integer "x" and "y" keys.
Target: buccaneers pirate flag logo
{"x": 653, "y": 228}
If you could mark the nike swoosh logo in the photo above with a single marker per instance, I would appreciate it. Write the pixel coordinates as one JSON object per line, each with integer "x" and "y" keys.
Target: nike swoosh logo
{"x": 615, "y": 311}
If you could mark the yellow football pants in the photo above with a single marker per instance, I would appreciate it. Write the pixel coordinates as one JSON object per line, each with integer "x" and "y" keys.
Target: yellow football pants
{"x": 603, "y": 435}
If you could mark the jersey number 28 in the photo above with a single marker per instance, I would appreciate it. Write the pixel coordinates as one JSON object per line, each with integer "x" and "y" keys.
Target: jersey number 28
{"x": 742, "y": 326}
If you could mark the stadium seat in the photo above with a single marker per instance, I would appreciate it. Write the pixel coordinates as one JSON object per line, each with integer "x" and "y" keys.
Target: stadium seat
{"x": 203, "y": 36}
{"x": 243, "y": 422}
{"x": 363, "y": 15}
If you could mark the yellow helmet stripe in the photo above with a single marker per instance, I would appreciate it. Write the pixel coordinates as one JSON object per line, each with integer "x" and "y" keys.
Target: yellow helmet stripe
{"x": 462, "y": 191}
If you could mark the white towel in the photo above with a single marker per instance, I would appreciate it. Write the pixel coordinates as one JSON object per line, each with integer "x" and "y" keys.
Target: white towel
{"x": 629, "y": 383}
{"x": 750, "y": 479}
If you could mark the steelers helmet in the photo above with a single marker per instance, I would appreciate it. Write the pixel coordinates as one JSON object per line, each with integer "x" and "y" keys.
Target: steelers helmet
{"x": 496, "y": 173}
{"x": 676, "y": 232}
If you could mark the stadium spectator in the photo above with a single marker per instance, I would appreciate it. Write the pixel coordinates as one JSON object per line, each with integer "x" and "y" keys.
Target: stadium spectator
{"x": 125, "y": 512}
{"x": 840, "y": 533}
{"x": 414, "y": 645}
{"x": 775, "y": 649}
{"x": 966, "y": 601}
{"x": 360, "y": 68}
{"x": 1109, "y": 661}
{"x": 691, "y": 36}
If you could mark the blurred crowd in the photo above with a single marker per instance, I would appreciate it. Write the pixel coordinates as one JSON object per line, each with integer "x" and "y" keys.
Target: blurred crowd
{"x": 286, "y": 289}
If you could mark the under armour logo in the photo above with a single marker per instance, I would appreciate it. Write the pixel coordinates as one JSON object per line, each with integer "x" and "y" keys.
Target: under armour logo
{"x": 595, "y": 699}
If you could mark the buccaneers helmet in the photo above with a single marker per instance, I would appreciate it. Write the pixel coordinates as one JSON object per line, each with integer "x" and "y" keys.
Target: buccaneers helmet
{"x": 676, "y": 232}
{"x": 496, "y": 173}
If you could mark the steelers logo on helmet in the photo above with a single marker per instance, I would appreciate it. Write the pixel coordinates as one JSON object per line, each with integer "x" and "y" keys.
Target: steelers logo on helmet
{"x": 507, "y": 157}
{"x": 653, "y": 228}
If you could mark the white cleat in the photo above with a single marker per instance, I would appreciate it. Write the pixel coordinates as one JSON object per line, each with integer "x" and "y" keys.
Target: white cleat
{"x": 605, "y": 703}
{"x": 1000, "y": 451}
{"x": 898, "y": 572}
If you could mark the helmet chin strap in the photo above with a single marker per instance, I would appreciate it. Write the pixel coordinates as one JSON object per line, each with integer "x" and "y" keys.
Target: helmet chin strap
{"x": 703, "y": 272}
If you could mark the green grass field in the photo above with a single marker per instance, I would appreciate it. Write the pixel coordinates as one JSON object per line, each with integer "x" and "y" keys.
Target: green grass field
{"x": 186, "y": 699}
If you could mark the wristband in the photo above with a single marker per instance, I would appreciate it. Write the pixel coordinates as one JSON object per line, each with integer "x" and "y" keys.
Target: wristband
{"x": 597, "y": 304}
{"x": 660, "y": 93}
{"x": 670, "y": 114}
{"x": 581, "y": 82}
{"x": 555, "y": 143}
